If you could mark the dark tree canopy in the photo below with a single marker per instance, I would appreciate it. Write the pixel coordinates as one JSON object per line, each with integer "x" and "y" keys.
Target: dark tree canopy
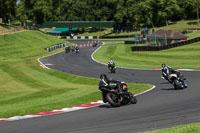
{"x": 133, "y": 12}
{"x": 7, "y": 9}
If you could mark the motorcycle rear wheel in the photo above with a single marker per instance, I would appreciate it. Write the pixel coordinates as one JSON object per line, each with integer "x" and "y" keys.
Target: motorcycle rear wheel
{"x": 177, "y": 84}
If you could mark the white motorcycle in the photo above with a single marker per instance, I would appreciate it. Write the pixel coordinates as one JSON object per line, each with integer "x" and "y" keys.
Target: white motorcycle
{"x": 178, "y": 80}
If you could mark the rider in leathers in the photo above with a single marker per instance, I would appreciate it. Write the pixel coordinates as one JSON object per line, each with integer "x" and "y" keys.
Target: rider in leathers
{"x": 167, "y": 70}
{"x": 111, "y": 63}
{"x": 77, "y": 48}
{"x": 105, "y": 83}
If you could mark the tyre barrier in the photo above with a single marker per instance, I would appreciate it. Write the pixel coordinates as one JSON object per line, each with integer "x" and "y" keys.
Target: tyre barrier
{"x": 168, "y": 46}
{"x": 62, "y": 45}
{"x": 119, "y": 36}
{"x": 82, "y": 37}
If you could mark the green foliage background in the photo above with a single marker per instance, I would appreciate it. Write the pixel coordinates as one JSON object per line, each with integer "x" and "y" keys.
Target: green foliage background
{"x": 134, "y": 12}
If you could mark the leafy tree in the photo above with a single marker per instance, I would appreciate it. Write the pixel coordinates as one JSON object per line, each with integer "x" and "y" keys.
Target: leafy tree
{"x": 25, "y": 10}
{"x": 21, "y": 13}
{"x": 138, "y": 12}
{"x": 42, "y": 11}
{"x": 145, "y": 12}
{"x": 8, "y": 9}
{"x": 167, "y": 9}
{"x": 186, "y": 9}
{"x": 121, "y": 14}
{"x": 197, "y": 7}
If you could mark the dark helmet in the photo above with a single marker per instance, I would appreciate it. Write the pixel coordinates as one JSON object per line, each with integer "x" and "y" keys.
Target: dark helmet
{"x": 163, "y": 65}
{"x": 103, "y": 76}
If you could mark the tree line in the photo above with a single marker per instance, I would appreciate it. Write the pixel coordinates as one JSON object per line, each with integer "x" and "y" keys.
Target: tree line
{"x": 134, "y": 12}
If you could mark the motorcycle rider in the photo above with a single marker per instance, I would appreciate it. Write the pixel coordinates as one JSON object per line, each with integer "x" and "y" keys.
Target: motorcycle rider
{"x": 167, "y": 70}
{"x": 73, "y": 48}
{"x": 111, "y": 64}
{"x": 76, "y": 48}
{"x": 104, "y": 82}
{"x": 67, "y": 49}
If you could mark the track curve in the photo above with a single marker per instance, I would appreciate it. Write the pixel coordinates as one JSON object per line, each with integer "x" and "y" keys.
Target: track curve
{"x": 162, "y": 107}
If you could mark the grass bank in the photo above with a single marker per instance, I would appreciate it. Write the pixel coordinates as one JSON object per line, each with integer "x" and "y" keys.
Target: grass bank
{"x": 181, "y": 57}
{"x": 180, "y": 26}
{"x": 193, "y": 35}
{"x": 190, "y": 128}
{"x": 25, "y": 87}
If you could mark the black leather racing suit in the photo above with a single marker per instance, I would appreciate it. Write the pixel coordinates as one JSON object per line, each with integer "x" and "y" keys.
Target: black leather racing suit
{"x": 104, "y": 82}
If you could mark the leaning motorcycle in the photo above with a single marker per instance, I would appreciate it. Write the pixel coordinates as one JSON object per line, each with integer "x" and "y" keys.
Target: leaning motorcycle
{"x": 116, "y": 98}
{"x": 178, "y": 80}
{"x": 76, "y": 50}
{"x": 112, "y": 68}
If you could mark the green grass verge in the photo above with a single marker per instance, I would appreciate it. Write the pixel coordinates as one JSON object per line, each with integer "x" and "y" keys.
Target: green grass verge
{"x": 181, "y": 57}
{"x": 193, "y": 35}
{"x": 25, "y": 87}
{"x": 189, "y": 128}
{"x": 114, "y": 42}
{"x": 179, "y": 26}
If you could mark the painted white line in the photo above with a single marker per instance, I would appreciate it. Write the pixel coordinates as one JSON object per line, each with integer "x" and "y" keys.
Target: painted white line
{"x": 49, "y": 64}
{"x": 64, "y": 110}
{"x": 146, "y": 91}
{"x": 14, "y": 118}
{"x": 40, "y": 115}
{"x": 44, "y": 65}
{"x": 99, "y": 101}
{"x": 185, "y": 69}
{"x": 71, "y": 109}
{"x": 92, "y": 56}
{"x": 30, "y": 116}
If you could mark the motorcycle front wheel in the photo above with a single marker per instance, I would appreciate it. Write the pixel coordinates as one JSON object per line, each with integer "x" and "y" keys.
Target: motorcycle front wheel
{"x": 113, "y": 99}
{"x": 177, "y": 84}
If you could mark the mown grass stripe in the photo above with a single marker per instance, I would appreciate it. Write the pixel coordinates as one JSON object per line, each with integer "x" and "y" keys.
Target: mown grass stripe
{"x": 28, "y": 88}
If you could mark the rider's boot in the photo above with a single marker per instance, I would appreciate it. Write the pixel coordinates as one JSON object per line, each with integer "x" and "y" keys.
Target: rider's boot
{"x": 104, "y": 99}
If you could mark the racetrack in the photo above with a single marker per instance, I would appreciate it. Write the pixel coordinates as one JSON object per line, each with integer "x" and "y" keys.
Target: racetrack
{"x": 162, "y": 107}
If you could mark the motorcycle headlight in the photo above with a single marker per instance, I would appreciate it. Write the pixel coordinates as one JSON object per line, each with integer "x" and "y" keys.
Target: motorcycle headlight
{"x": 124, "y": 87}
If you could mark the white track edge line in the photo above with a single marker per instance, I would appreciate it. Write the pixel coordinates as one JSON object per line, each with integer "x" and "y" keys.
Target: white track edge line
{"x": 92, "y": 56}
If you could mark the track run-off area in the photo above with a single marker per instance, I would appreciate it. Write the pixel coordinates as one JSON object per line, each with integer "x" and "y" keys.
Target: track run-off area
{"x": 162, "y": 107}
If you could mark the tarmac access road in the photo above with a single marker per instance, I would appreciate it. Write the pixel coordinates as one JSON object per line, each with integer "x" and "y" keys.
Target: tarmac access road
{"x": 160, "y": 108}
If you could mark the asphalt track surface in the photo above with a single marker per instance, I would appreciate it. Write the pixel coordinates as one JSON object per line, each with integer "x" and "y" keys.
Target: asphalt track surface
{"x": 160, "y": 108}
